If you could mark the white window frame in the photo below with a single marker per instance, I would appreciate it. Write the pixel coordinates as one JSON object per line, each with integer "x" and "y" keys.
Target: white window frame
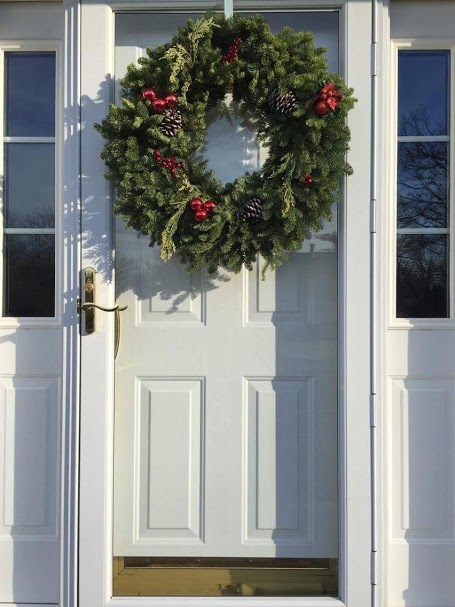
{"x": 97, "y": 368}
{"x": 419, "y": 44}
{"x": 31, "y": 46}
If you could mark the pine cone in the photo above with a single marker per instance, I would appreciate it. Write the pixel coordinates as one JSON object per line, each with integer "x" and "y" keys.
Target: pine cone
{"x": 252, "y": 211}
{"x": 284, "y": 103}
{"x": 171, "y": 123}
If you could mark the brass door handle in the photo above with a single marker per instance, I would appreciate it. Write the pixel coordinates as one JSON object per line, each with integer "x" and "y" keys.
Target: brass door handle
{"x": 89, "y": 306}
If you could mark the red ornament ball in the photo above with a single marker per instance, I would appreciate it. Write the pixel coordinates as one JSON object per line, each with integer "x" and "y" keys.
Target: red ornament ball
{"x": 209, "y": 206}
{"x": 171, "y": 100}
{"x": 196, "y": 204}
{"x": 321, "y": 108}
{"x": 159, "y": 105}
{"x": 200, "y": 215}
{"x": 149, "y": 94}
{"x": 308, "y": 180}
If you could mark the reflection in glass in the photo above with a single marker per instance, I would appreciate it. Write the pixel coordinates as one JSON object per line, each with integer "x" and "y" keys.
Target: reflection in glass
{"x": 30, "y": 94}
{"x": 422, "y": 276}
{"x": 423, "y": 92}
{"x": 423, "y": 185}
{"x": 302, "y": 341}
{"x": 29, "y": 185}
{"x": 29, "y": 275}
{"x": 228, "y": 129}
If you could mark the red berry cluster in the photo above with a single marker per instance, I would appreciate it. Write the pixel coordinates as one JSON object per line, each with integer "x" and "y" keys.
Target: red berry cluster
{"x": 168, "y": 163}
{"x": 233, "y": 51}
{"x": 159, "y": 104}
{"x": 327, "y": 100}
{"x": 202, "y": 210}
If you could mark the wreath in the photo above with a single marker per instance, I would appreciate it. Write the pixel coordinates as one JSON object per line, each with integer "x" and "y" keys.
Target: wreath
{"x": 154, "y": 141}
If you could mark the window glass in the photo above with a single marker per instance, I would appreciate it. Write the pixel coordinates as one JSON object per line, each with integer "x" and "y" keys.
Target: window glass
{"x": 423, "y": 93}
{"x": 30, "y": 94}
{"x": 235, "y": 479}
{"x": 423, "y": 184}
{"x": 28, "y": 198}
{"x": 422, "y": 275}
{"x": 29, "y": 274}
{"x": 29, "y": 189}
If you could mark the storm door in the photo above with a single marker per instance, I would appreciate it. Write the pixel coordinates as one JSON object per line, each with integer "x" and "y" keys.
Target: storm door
{"x": 225, "y": 458}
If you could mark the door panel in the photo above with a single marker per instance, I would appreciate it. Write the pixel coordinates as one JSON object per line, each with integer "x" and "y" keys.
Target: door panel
{"x": 226, "y": 386}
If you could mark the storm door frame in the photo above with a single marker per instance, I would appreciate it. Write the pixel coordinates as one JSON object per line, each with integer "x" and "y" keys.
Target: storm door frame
{"x": 97, "y": 20}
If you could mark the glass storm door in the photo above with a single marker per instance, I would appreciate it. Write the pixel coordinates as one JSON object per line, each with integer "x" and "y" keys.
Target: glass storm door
{"x": 225, "y": 394}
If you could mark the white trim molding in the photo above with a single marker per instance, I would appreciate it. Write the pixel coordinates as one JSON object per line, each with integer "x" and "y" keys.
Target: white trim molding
{"x": 396, "y": 45}
{"x": 56, "y": 47}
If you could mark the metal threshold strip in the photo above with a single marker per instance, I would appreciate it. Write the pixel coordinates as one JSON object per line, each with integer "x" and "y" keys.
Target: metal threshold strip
{"x": 148, "y": 576}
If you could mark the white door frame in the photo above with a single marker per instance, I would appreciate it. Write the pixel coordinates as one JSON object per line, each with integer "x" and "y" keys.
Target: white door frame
{"x": 97, "y": 350}
{"x": 71, "y": 339}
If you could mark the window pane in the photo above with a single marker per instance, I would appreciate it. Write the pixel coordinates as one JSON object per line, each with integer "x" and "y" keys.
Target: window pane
{"x": 29, "y": 275}
{"x": 30, "y": 94}
{"x": 423, "y": 185}
{"x": 423, "y": 92}
{"x": 422, "y": 276}
{"x": 29, "y": 185}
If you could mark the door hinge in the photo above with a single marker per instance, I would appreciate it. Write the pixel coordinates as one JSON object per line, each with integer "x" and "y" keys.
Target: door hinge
{"x": 374, "y": 565}
{"x": 373, "y": 216}
{"x": 373, "y": 410}
{"x": 374, "y": 59}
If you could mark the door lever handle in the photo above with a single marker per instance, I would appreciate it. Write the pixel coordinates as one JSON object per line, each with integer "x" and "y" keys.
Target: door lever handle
{"x": 89, "y": 307}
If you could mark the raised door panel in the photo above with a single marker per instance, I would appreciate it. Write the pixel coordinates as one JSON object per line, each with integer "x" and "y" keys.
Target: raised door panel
{"x": 165, "y": 498}
{"x": 421, "y": 490}
{"x": 29, "y": 479}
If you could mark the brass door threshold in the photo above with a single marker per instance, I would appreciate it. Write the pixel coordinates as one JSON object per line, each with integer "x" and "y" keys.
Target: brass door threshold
{"x": 144, "y": 576}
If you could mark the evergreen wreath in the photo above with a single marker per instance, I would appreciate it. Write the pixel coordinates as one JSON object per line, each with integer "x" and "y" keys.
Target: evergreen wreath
{"x": 153, "y": 139}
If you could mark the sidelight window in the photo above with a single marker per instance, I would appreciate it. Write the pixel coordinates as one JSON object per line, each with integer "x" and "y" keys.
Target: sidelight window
{"x": 29, "y": 184}
{"x": 423, "y": 184}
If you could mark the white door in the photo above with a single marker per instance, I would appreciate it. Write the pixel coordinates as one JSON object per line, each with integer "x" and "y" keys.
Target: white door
{"x": 419, "y": 422}
{"x": 227, "y": 370}
{"x": 31, "y": 311}
{"x": 226, "y": 387}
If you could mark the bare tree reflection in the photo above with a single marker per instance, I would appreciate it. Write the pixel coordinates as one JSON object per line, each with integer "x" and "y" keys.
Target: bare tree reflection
{"x": 30, "y": 275}
{"x": 38, "y": 218}
{"x": 422, "y": 203}
{"x": 422, "y": 275}
{"x": 422, "y": 176}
